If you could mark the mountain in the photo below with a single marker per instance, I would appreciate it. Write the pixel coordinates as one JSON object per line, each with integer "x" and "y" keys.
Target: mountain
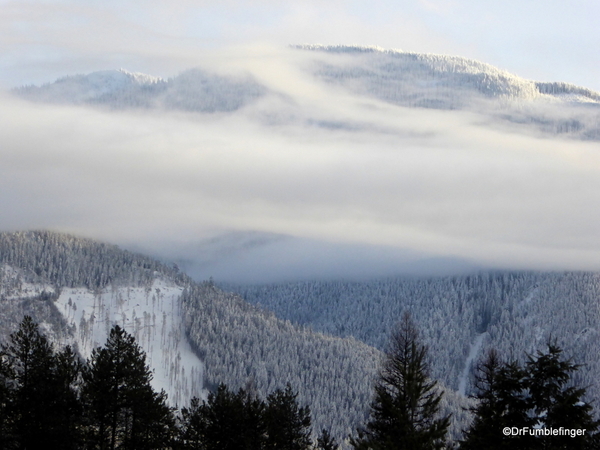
{"x": 461, "y": 317}
{"x": 193, "y": 90}
{"x": 396, "y": 77}
{"x": 194, "y": 335}
{"x": 433, "y": 81}
{"x": 323, "y": 337}
{"x": 322, "y": 188}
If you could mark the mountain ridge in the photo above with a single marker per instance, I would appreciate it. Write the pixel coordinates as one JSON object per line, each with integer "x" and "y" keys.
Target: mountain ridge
{"x": 406, "y": 79}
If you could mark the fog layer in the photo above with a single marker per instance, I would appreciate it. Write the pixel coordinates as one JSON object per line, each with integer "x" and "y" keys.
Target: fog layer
{"x": 311, "y": 162}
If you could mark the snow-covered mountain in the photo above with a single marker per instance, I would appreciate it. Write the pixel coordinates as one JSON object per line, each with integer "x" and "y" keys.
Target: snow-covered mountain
{"x": 96, "y": 87}
{"x": 194, "y": 335}
{"x": 461, "y": 317}
{"x": 396, "y": 77}
{"x": 193, "y": 90}
{"x": 322, "y": 337}
{"x": 453, "y": 83}
{"x": 152, "y": 314}
{"x": 433, "y": 81}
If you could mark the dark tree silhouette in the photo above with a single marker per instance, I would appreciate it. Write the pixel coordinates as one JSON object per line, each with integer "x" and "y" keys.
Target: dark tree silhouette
{"x": 536, "y": 395}
{"x": 40, "y": 391}
{"x": 287, "y": 423}
{"x": 404, "y": 412}
{"x": 124, "y": 412}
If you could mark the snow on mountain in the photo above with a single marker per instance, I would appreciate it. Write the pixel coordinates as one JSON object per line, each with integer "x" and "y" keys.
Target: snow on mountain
{"x": 474, "y": 355}
{"x": 94, "y": 87}
{"x": 417, "y": 80}
{"x": 454, "y": 83}
{"x": 460, "y": 317}
{"x": 153, "y": 316}
{"x": 13, "y": 286}
{"x": 405, "y": 79}
{"x": 194, "y": 334}
{"x": 193, "y": 90}
{"x": 430, "y": 80}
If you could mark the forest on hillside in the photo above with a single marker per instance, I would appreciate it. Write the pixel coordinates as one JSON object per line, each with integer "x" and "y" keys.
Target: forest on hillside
{"x": 52, "y": 398}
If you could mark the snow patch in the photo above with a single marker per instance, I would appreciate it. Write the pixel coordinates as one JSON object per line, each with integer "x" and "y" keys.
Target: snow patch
{"x": 153, "y": 316}
{"x": 473, "y": 352}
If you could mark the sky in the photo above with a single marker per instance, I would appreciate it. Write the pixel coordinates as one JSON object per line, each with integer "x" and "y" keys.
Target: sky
{"x": 227, "y": 195}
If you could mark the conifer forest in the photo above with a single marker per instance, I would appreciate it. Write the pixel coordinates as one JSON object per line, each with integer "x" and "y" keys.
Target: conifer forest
{"x": 81, "y": 369}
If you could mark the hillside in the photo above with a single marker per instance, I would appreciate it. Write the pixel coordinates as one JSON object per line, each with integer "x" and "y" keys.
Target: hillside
{"x": 460, "y": 316}
{"x": 77, "y": 289}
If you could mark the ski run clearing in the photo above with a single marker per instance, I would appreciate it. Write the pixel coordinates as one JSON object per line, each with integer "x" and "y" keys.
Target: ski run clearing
{"x": 152, "y": 315}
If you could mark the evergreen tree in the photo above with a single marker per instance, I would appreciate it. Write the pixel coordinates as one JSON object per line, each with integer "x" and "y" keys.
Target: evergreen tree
{"x": 326, "y": 442}
{"x": 230, "y": 421}
{"x": 404, "y": 412}
{"x": 501, "y": 403}
{"x": 555, "y": 403}
{"x": 44, "y": 406}
{"x": 6, "y": 394}
{"x": 192, "y": 426}
{"x": 226, "y": 421}
{"x": 537, "y": 395}
{"x": 287, "y": 423}
{"x": 124, "y": 412}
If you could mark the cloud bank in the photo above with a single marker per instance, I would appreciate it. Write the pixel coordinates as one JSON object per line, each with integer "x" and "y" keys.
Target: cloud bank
{"x": 310, "y": 162}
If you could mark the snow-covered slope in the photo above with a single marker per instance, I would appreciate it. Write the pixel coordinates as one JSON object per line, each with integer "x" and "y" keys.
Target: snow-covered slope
{"x": 193, "y": 90}
{"x": 194, "y": 334}
{"x": 455, "y": 83}
{"x": 461, "y": 317}
{"x": 14, "y": 287}
{"x": 432, "y": 81}
{"x": 153, "y": 316}
{"x": 95, "y": 87}
{"x": 396, "y": 77}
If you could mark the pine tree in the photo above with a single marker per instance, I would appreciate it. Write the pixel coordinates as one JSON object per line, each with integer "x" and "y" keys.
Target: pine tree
{"x": 6, "y": 395}
{"x": 287, "y": 423}
{"x": 124, "y": 412}
{"x": 226, "y": 421}
{"x": 405, "y": 410}
{"x": 192, "y": 426}
{"x": 554, "y": 403}
{"x": 43, "y": 405}
{"x": 538, "y": 395}
{"x": 501, "y": 403}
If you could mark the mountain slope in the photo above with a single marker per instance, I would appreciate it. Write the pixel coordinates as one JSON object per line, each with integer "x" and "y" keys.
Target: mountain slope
{"x": 77, "y": 289}
{"x": 414, "y": 79}
{"x": 193, "y": 90}
{"x": 453, "y": 83}
{"x": 461, "y": 317}
{"x": 396, "y": 77}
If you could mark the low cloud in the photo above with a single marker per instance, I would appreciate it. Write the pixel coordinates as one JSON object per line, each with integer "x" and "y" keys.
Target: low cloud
{"x": 309, "y": 162}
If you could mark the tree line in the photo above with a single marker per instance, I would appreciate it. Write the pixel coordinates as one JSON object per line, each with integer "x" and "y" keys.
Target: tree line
{"x": 53, "y": 399}
{"x": 236, "y": 341}
{"x": 513, "y": 401}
